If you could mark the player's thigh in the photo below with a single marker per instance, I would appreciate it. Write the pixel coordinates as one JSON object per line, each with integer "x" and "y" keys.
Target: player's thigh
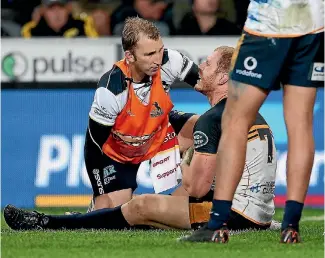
{"x": 304, "y": 74}
{"x": 255, "y": 71}
{"x": 298, "y": 105}
{"x": 258, "y": 61}
{"x": 112, "y": 182}
{"x": 169, "y": 210}
{"x": 183, "y": 124}
{"x": 242, "y": 106}
{"x": 305, "y": 62}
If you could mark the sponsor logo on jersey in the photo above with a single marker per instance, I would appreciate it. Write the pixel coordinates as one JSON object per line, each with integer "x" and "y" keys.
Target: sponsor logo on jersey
{"x": 169, "y": 136}
{"x": 200, "y": 139}
{"x": 102, "y": 112}
{"x": 129, "y": 113}
{"x": 160, "y": 162}
{"x": 157, "y": 111}
{"x": 168, "y": 173}
{"x": 134, "y": 141}
{"x": 266, "y": 188}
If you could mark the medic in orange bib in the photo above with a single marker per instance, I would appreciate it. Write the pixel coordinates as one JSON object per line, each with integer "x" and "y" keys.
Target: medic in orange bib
{"x": 129, "y": 117}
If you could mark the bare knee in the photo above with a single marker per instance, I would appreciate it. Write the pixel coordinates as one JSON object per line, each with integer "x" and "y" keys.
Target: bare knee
{"x": 102, "y": 202}
{"x": 140, "y": 207}
{"x": 113, "y": 199}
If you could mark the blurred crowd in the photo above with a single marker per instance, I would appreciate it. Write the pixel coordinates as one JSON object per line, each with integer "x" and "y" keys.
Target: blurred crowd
{"x": 104, "y": 18}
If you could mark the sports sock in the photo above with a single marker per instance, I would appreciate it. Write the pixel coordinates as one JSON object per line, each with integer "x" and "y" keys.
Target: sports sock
{"x": 292, "y": 215}
{"x": 220, "y": 213}
{"x": 99, "y": 219}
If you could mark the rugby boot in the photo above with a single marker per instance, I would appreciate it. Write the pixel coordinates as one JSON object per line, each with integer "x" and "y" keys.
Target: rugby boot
{"x": 19, "y": 219}
{"x": 290, "y": 236}
{"x": 204, "y": 234}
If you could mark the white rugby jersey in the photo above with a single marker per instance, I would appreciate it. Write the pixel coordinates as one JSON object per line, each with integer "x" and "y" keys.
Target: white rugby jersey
{"x": 286, "y": 18}
{"x": 112, "y": 93}
{"x": 254, "y": 195}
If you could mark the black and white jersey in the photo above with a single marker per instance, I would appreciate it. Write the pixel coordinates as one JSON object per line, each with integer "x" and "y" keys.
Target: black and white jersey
{"x": 112, "y": 92}
{"x": 255, "y": 192}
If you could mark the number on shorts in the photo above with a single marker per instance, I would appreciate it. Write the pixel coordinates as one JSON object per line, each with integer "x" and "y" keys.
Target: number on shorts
{"x": 265, "y": 134}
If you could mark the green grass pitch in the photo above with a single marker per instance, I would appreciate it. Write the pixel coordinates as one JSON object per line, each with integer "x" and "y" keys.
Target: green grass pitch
{"x": 156, "y": 243}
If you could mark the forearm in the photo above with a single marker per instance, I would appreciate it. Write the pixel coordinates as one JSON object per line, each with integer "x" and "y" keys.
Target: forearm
{"x": 187, "y": 181}
{"x": 187, "y": 157}
{"x": 192, "y": 76}
{"x": 197, "y": 179}
{"x": 98, "y": 133}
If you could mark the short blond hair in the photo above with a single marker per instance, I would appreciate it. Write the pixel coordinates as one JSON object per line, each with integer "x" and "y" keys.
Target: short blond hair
{"x": 225, "y": 59}
{"x": 133, "y": 27}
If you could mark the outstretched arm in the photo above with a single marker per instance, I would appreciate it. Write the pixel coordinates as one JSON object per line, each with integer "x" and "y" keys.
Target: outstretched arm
{"x": 177, "y": 66}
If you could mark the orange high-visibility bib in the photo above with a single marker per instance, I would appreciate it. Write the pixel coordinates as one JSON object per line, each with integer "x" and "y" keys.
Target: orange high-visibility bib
{"x": 139, "y": 129}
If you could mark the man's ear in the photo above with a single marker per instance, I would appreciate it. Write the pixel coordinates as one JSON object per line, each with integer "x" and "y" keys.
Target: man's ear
{"x": 129, "y": 57}
{"x": 224, "y": 77}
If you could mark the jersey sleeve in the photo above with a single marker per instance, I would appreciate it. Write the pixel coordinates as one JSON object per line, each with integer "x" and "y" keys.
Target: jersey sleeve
{"x": 104, "y": 108}
{"x": 107, "y": 102}
{"x": 206, "y": 135}
{"x": 182, "y": 67}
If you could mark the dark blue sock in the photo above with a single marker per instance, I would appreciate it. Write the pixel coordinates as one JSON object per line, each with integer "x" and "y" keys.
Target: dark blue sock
{"x": 220, "y": 213}
{"x": 99, "y": 219}
{"x": 292, "y": 215}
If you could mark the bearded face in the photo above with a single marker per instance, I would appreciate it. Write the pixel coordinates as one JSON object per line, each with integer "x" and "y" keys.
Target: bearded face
{"x": 208, "y": 73}
{"x": 212, "y": 73}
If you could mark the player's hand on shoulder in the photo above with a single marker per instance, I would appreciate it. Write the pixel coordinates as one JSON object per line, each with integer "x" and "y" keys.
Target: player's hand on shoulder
{"x": 182, "y": 67}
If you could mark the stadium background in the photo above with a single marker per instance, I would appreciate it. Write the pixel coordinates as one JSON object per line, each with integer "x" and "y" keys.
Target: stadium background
{"x": 47, "y": 89}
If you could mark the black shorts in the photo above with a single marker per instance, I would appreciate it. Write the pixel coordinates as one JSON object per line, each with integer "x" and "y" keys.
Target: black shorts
{"x": 107, "y": 175}
{"x": 269, "y": 62}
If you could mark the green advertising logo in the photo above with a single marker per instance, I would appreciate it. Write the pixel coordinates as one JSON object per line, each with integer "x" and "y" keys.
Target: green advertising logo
{"x": 14, "y": 65}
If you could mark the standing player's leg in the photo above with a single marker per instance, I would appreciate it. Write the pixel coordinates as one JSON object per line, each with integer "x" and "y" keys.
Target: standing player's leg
{"x": 298, "y": 113}
{"x": 242, "y": 106}
{"x": 299, "y": 96}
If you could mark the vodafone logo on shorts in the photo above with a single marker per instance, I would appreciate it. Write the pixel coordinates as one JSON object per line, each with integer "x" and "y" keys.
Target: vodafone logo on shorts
{"x": 250, "y": 64}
